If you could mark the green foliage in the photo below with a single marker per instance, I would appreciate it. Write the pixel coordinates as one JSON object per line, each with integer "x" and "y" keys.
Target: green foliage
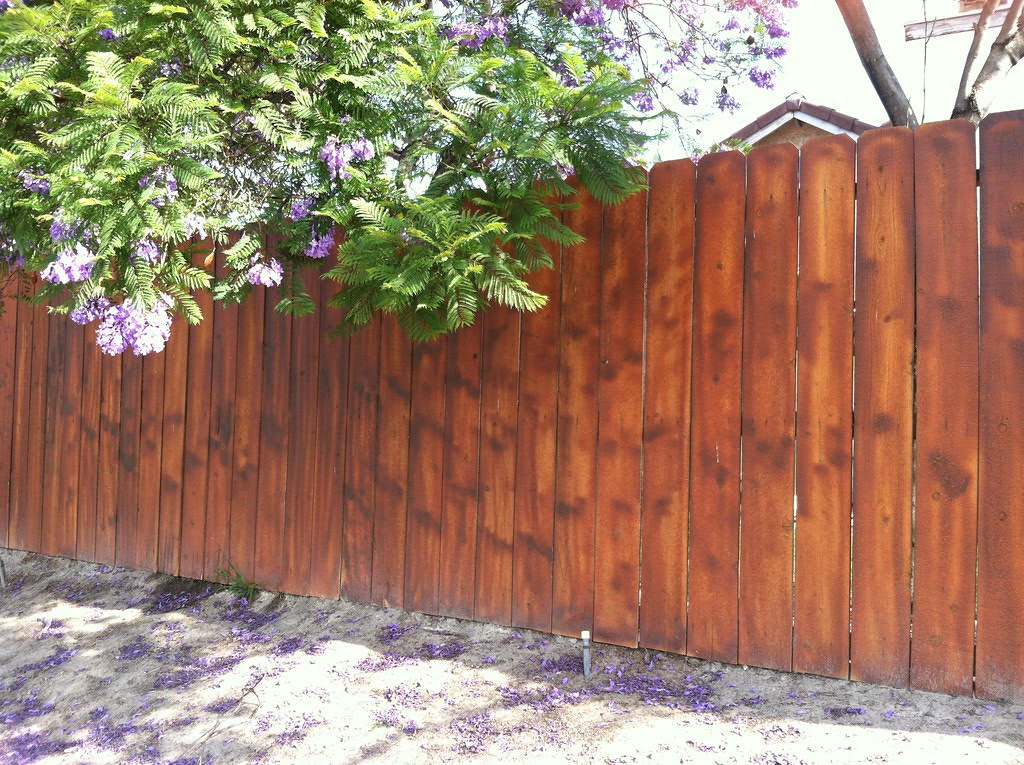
{"x": 168, "y": 123}
{"x": 237, "y": 584}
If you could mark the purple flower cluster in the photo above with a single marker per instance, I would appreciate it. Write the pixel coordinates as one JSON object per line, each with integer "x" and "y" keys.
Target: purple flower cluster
{"x": 10, "y": 255}
{"x": 267, "y": 272}
{"x": 73, "y": 264}
{"x": 6, "y": 5}
{"x": 92, "y": 309}
{"x": 471, "y": 35}
{"x": 763, "y": 78}
{"x": 108, "y": 34}
{"x": 34, "y": 181}
{"x": 61, "y": 230}
{"x": 320, "y": 246}
{"x": 339, "y": 156}
{"x": 127, "y": 326}
{"x": 643, "y": 101}
{"x": 147, "y": 251}
{"x": 166, "y": 184}
{"x": 300, "y": 209}
{"x": 171, "y": 68}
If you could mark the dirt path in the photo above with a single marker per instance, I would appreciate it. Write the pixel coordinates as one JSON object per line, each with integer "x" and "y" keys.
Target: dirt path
{"x": 115, "y": 666}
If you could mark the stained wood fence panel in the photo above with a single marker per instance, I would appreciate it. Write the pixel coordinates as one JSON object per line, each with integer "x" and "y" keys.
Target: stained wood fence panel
{"x": 8, "y": 355}
{"x": 86, "y": 471}
{"x": 824, "y": 443}
{"x": 533, "y": 522}
{"x": 945, "y": 531}
{"x": 620, "y": 423}
{"x": 388, "y": 576}
{"x": 426, "y": 447}
{"x": 499, "y": 413}
{"x": 712, "y": 631}
{"x": 883, "y": 425}
{"x": 666, "y": 439}
{"x": 580, "y": 468}
{"x": 577, "y": 404}
{"x": 768, "y": 409}
{"x": 1000, "y": 641}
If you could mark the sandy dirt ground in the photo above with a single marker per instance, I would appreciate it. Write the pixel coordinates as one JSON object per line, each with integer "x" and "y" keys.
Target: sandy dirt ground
{"x": 101, "y": 665}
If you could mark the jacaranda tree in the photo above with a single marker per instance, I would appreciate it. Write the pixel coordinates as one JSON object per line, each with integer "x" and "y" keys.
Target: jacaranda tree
{"x": 438, "y": 139}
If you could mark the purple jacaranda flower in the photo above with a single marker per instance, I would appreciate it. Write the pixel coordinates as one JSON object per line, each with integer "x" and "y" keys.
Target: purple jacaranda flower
{"x": 147, "y": 251}
{"x": 166, "y": 185}
{"x": 193, "y": 223}
{"x": 35, "y": 181}
{"x": 6, "y": 5}
{"x": 762, "y": 78}
{"x": 117, "y": 327}
{"x": 337, "y": 155}
{"x": 128, "y": 325}
{"x": 643, "y": 101}
{"x": 108, "y": 34}
{"x": 320, "y": 247}
{"x": 72, "y": 264}
{"x": 590, "y": 16}
{"x": 171, "y": 68}
{"x": 733, "y": 23}
{"x": 266, "y": 272}
{"x": 92, "y": 309}
{"x": 61, "y": 230}
{"x": 300, "y": 209}
{"x": 362, "y": 149}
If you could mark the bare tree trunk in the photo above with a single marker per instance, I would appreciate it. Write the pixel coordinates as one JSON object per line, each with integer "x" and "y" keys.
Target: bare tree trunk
{"x": 1006, "y": 51}
{"x": 979, "y": 32}
{"x": 889, "y": 90}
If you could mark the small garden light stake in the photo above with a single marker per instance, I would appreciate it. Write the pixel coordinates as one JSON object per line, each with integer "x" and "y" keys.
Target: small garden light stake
{"x": 586, "y": 652}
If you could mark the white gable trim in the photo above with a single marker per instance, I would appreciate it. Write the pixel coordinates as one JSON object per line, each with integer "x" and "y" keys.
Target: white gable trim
{"x": 803, "y": 116}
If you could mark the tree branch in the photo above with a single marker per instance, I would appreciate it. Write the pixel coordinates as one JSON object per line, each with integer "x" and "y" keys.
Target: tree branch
{"x": 884, "y": 80}
{"x": 1006, "y": 51}
{"x": 972, "y": 54}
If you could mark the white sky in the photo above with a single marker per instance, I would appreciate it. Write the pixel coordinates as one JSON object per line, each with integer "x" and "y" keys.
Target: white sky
{"x": 823, "y": 67}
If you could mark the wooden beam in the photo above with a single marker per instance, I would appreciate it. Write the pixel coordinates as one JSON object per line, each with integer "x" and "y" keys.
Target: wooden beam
{"x": 951, "y": 25}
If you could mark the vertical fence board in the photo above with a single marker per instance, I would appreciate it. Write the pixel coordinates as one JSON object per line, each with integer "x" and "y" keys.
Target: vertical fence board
{"x": 246, "y": 435}
{"x": 768, "y": 409}
{"x": 20, "y": 467}
{"x": 426, "y": 448}
{"x": 533, "y": 529}
{"x": 89, "y": 448}
{"x": 945, "y": 530}
{"x": 328, "y": 510}
{"x": 578, "y": 362}
{"x": 499, "y": 407}
{"x": 620, "y": 430}
{"x": 126, "y": 536}
{"x": 297, "y": 542}
{"x": 361, "y": 463}
{"x": 1000, "y": 653}
{"x": 147, "y": 527}
{"x": 884, "y": 350}
{"x": 392, "y": 472}
{"x": 274, "y": 419}
{"x": 69, "y": 434}
{"x": 457, "y": 582}
{"x": 224, "y": 365}
{"x": 197, "y": 441}
{"x": 31, "y": 521}
{"x": 715, "y": 426}
{"x": 821, "y": 629}
{"x": 50, "y": 467}
{"x": 666, "y": 437}
{"x": 172, "y": 449}
{"x": 106, "y": 463}
{"x": 8, "y": 388}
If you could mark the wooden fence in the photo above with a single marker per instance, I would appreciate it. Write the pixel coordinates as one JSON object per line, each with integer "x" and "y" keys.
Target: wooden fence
{"x": 580, "y": 468}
